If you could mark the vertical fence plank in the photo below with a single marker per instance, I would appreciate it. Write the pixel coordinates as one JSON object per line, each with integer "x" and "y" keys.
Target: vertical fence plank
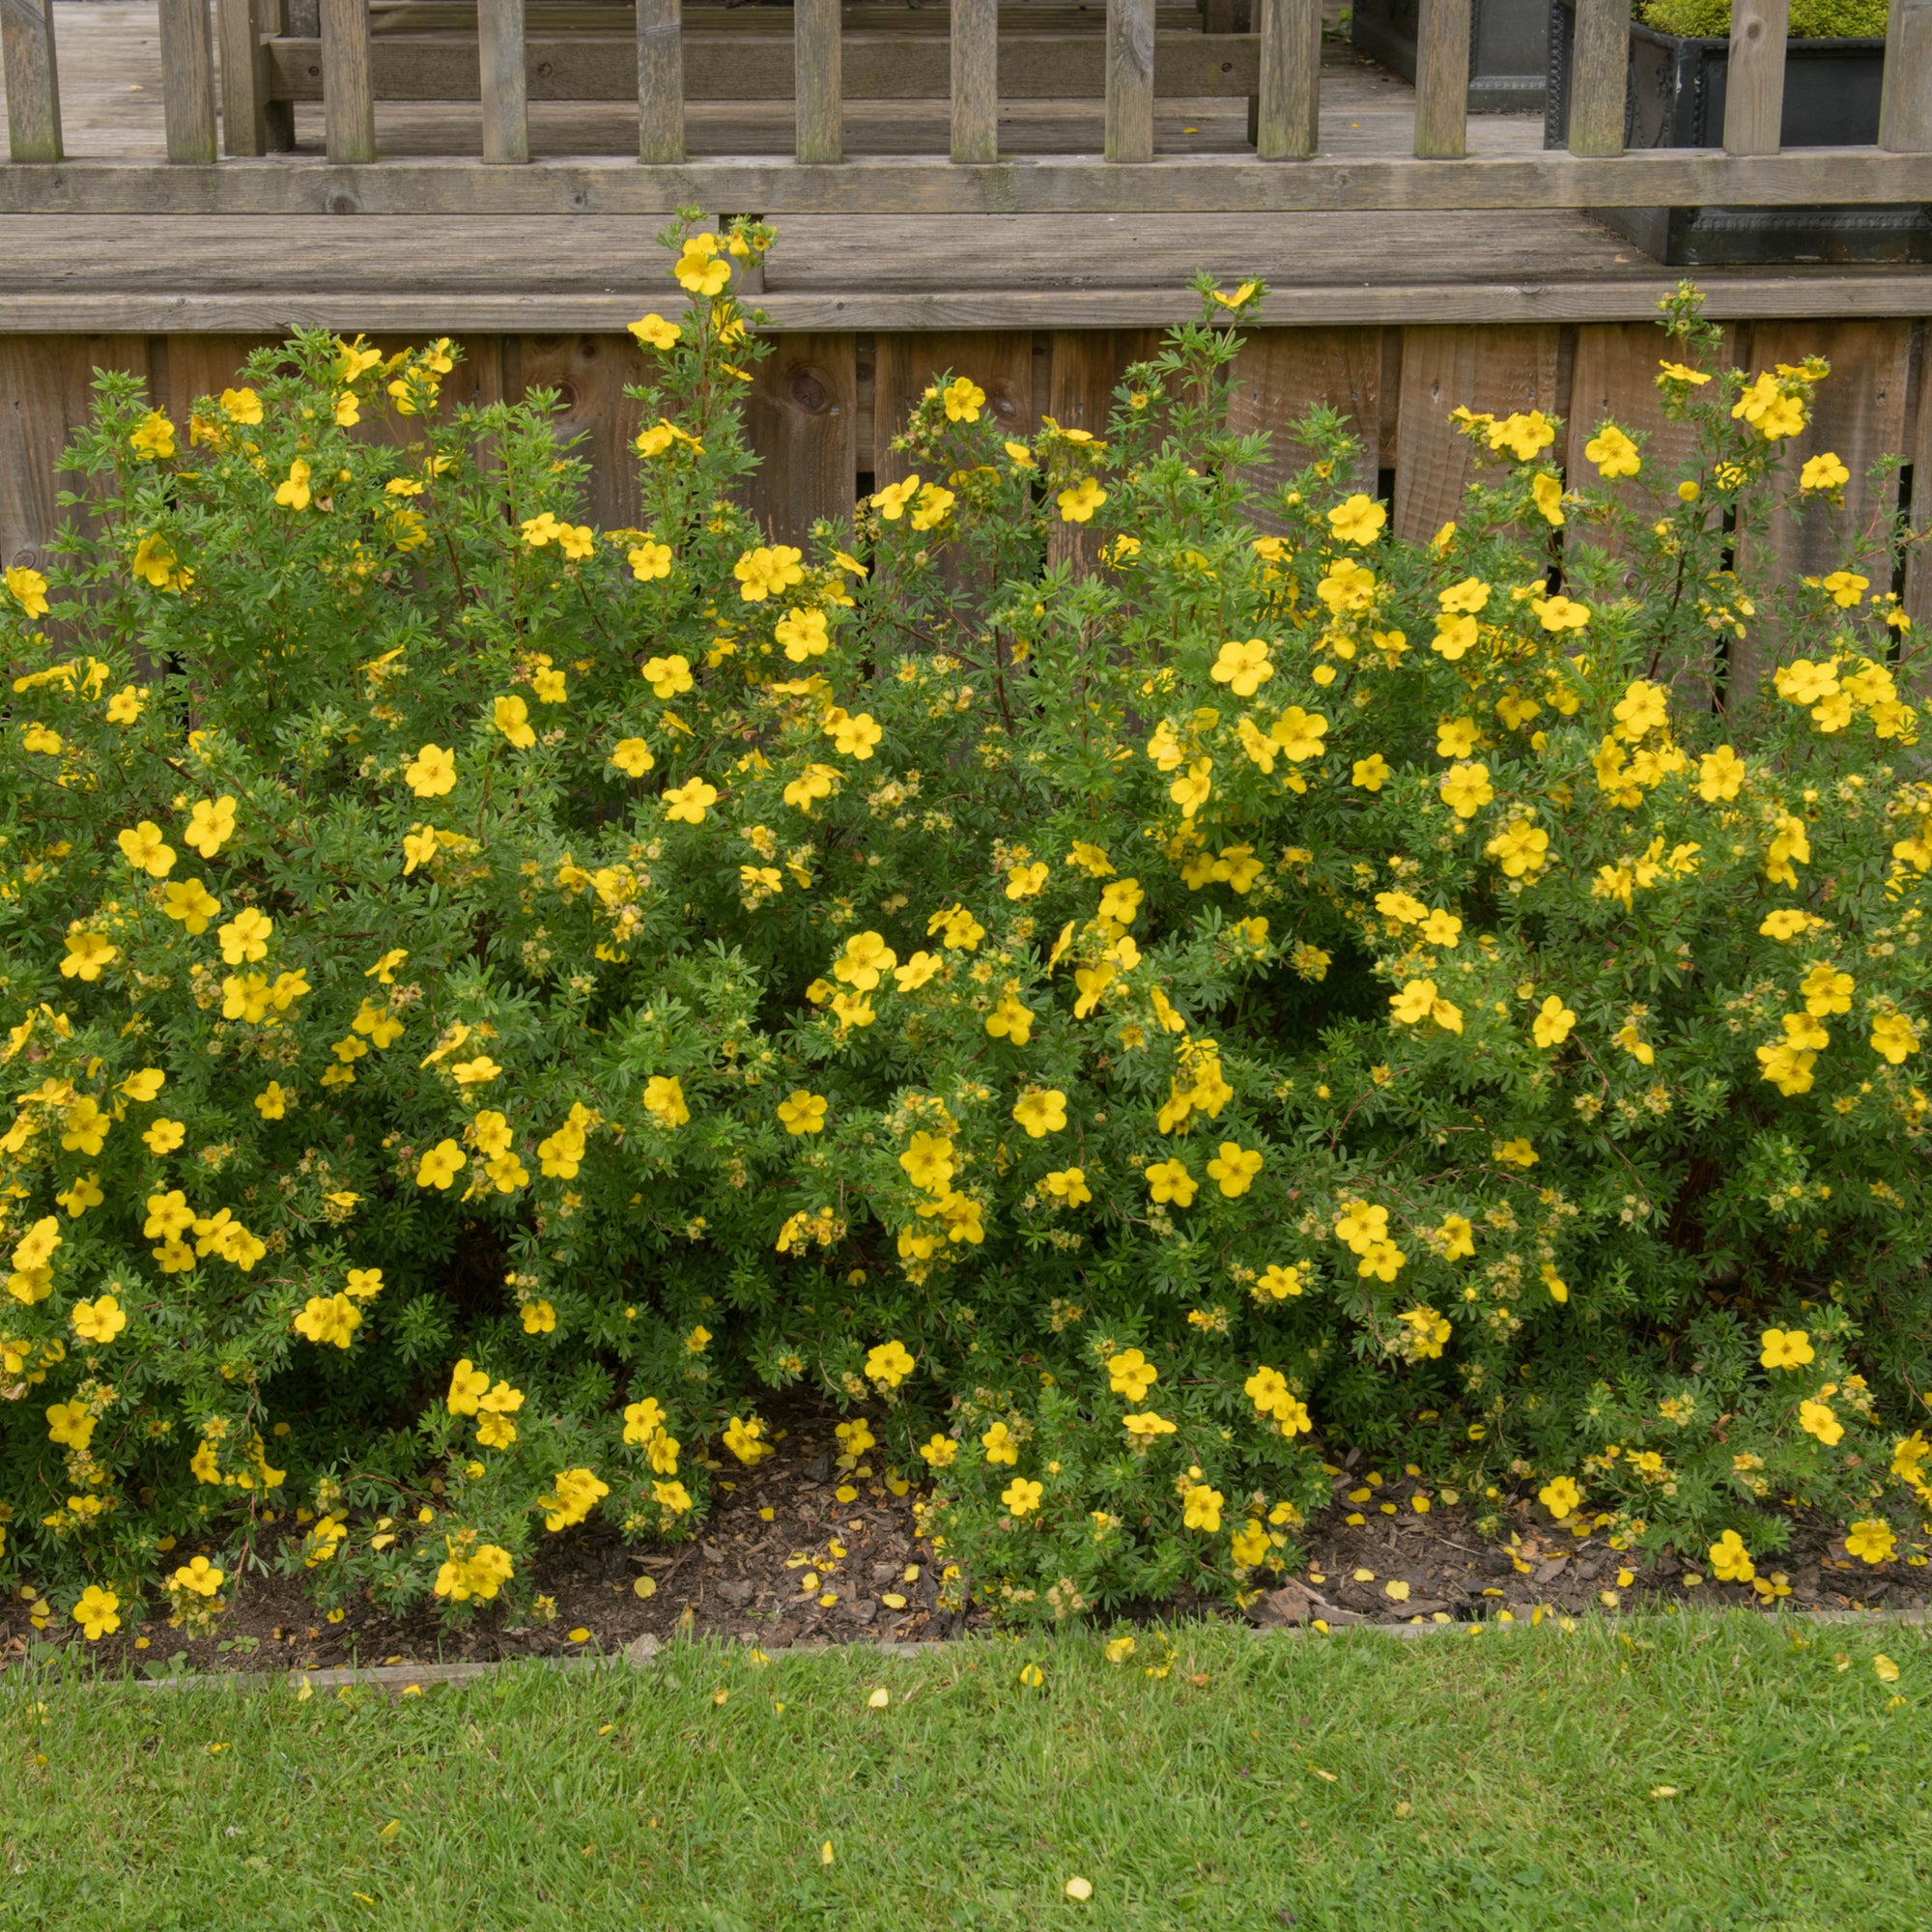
{"x": 660, "y": 81}
{"x": 999, "y": 361}
{"x": 1284, "y": 373}
{"x": 1919, "y": 560}
{"x": 1859, "y": 415}
{"x": 1288, "y": 111}
{"x": 588, "y": 373}
{"x": 1442, "y": 80}
{"x": 505, "y": 90}
{"x": 1600, "y": 77}
{"x": 187, "y": 80}
{"x": 244, "y": 120}
{"x": 802, "y": 420}
{"x": 33, "y": 85}
{"x": 1495, "y": 368}
{"x": 975, "y": 80}
{"x": 348, "y": 94}
{"x": 1088, "y": 366}
{"x": 1905, "y": 109}
{"x": 1754, "y": 84}
{"x": 820, "y": 85}
{"x": 1130, "y": 133}
{"x": 44, "y": 385}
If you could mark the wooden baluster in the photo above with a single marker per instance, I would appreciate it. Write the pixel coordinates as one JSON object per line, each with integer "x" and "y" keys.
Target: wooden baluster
{"x": 244, "y": 77}
{"x": 820, "y": 85}
{"x": 1600, "y": 77}
{"x": 1288, "y": 117}
{"x": 1442, "y": 80}
{"x": 660, "y": 81}
{"x": 1754, "y": 84}
{"x": 1130, "y": 133}
{"x": 1905, "y": 109}
{"x": 975, "y": 80}
{"x": 347, "y": 91}
{"x": 187, "y": 80}
{"x": 506, "y": 111}
{"x": 33, "y": 86}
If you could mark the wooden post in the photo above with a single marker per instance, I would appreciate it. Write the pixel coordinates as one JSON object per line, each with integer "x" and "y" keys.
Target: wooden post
{"x": 33, "y": 87}
{"x": 1600, "y": 77}
{"x": 1442, "y": 80}
{"x": 187, "y": 80}
{"x": 1287, "y": 110}
{"x": 1905, "y": 109}
{"x": 975, "y": 80}
{"x": 245, "y": 129}
{"x": 820, "y": 87}
{"x": 506, "y": 112}
{"x": 1754, "y": 87}
{"x": 660, "y": 81}
{"x": 1129, "y": 80}
{"x": 348, "y": 94}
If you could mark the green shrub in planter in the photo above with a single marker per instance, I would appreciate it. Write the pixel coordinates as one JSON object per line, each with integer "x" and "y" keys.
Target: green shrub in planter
{"x": 1112, "y": 998}
{"x": 1810, "y": 20}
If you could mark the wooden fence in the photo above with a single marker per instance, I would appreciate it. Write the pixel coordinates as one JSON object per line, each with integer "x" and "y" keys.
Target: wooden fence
{"x": 985, "y": 53}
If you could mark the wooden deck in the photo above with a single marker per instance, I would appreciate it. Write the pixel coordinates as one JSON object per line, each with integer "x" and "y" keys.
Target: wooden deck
{"x": 495, "y": 268}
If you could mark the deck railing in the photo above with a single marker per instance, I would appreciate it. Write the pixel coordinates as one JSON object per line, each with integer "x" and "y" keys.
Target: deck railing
{"x": 982, "y": 59}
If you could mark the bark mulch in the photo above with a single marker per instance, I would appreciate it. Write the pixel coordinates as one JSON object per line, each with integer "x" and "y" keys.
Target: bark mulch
{"x": 797, "y": 1551}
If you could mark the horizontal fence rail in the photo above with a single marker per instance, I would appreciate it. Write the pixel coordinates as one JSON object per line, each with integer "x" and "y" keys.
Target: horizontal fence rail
{"x": 975, "y": 55}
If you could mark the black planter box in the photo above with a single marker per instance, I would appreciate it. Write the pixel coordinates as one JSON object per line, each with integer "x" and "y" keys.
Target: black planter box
{"x": 1509, "y": 54}
{"x": 1677, "y": 100}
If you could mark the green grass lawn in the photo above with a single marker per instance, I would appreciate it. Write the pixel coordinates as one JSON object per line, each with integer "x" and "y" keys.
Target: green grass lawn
{"x": 1681, "y": 1772}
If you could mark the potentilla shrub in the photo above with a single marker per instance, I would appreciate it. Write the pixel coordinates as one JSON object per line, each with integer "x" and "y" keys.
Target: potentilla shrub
{"x": 1123, "y": 1000}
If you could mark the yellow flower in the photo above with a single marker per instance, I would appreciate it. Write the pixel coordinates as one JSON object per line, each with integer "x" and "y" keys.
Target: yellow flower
{"x": 1040, "y": 1111}
{"x": 1021, "y": 1496}
{"x": 667, "y": 676}
{"x": 1372, "y": 773}
{"x": 1466, "y": 788}
{"x": 888, "y": 1364}
{"x": 1517, "y": 1152}
{"x": 144, "y": 848}
{"x": 98, "y": 1320}
{"x": 804, "y": 635}
{"x": 1730, "y": 1561}
{"x": 539, "y": 1317}
{"x": 1234, "y": 1168}
{"x": 762, "y": 571}
{"x": 441, "y": 1165}
{"x": 1357, "y": 520}
{"x": 295, "y": 493}
{"x": 1819, "y": 1419}
{"x": 432, "y": 772}
{"x": 211, "y": 825}
{"x": 1871, "y": 1541}
{"x": 1893, "y": 1035}
{"x": 802, "y": 1112}
{"x": 1824, "y": 472}
{"x": 1078, "y": 503}
{"x": 245, "y": 937}
{"x": 649, "y": 561}
{"x": 1201, "y": 1508}
{"x": 1243, "y": 667}
{"x": 28, "y": 588}
{"x": 1612, "y": 452}
{"x": 1068, "y": 1185}
{"x": 163, "y": 1137}
{"x": 653, "y": 331}
{"x": 633, "y": 757}
{"x": 95, "y": 1612}
{"x": 1553, "y": 1023}
{"x": 1560, "y": 613}
{"x": 1169, "y": 1180}
{"x": 687, "y": 804}
{"x": 1560, "y": 1496}
{"x": 963, "y": 398}
{"x": 664, "y": 1098}
{"x": 87, "y": 952}
{"x": 1000, "y": 1445}
{"x": 329, "y": 1318}
{"x": 511, "y": 716}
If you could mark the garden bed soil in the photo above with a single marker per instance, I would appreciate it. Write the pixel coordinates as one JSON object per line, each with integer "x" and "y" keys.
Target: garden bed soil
{"x": 741, "y": 1579}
